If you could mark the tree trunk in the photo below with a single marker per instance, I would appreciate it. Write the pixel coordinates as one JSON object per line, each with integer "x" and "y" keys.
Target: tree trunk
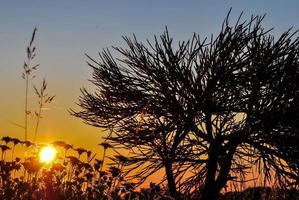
{"x": 210, "y": 191}
{"x": 170, "y": 179}
{"x": 213, "y": 186}
{"x": 226, "y": 167}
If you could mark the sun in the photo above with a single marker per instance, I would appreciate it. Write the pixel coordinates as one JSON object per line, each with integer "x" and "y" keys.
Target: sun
{"x": 47, "y": 154}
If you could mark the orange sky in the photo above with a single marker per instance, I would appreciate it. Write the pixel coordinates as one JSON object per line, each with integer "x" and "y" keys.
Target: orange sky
{"x": 68, "y": 30}
{"x": 56, "y": 123}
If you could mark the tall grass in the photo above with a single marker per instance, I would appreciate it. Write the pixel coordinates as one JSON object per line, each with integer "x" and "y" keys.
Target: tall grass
{"x": 43, "y": 100}
{"x": 28, "y": 75}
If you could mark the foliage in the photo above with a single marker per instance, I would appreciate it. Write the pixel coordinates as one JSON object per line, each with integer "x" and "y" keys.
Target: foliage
{"x": 210, "y": 108}
{"x": 68, "y": 177}
{"x": 81, "y": 177}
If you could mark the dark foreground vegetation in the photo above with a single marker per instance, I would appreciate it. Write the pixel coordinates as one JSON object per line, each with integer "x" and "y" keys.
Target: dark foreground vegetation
{"x": 77, "y": 174}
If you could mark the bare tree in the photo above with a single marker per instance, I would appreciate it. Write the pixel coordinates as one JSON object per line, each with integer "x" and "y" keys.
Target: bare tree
{"x": 214, "y": 108}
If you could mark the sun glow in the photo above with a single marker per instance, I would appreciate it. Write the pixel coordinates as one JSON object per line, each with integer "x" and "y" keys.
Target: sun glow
{"x": 47, "y": 154}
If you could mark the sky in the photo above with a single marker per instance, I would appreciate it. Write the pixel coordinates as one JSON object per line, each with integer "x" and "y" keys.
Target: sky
{"x": 69, "y": 29}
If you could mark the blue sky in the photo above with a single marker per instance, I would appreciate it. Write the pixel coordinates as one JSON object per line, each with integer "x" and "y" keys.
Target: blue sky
{"x": 68, "y": 29}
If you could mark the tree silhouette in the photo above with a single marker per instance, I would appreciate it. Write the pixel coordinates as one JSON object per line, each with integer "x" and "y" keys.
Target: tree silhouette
{"x": 214, "y": 108}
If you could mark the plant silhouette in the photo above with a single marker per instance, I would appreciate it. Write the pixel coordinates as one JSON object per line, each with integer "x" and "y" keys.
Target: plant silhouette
{"x": 43, "y": 98}
{"x": 27, "y": 75}
{"x": 213, "y": 108}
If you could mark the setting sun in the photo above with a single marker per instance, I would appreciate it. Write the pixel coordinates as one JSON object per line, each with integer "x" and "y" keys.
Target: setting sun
{"x": 47, "y": 154}
{"x": 149, "y": 100}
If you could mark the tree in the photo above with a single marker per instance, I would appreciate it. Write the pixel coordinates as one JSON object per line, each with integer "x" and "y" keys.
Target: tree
{"x": 215, "y": 107}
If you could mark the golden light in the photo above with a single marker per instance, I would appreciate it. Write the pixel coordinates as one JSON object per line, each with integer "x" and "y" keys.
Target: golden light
{"x": 47, "y": 154}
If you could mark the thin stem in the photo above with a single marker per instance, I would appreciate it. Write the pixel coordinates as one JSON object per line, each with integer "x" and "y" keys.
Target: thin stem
{"x": 13, "y": 151}
{"x": 38, "y": 117}
{"x": 26, "y": 106}
{"x": 104, "y": 154}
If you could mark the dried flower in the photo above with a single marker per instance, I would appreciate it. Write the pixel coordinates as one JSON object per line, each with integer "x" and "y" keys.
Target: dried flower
{"x": 80, "y": 151}
{"x": 15, "y": 141}
{"x": 59, "y": 143}
{"x": 106, "y": 145}
{"x": 114, "y": 171}
{"x": 4, "y": 148}
{"x": 6, "y": 139}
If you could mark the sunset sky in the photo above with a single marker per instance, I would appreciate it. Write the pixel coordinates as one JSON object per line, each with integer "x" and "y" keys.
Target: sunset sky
{"x": 68, "y": 29}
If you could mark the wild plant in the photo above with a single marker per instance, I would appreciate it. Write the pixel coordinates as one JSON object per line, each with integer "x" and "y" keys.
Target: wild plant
{"x": 27, "y": 75}
{"x": 43, "y": 100}
{"x": 74, "y": 177}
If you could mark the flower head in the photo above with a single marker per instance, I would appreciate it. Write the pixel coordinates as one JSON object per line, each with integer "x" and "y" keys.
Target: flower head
{"x": 106, "y": 145}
